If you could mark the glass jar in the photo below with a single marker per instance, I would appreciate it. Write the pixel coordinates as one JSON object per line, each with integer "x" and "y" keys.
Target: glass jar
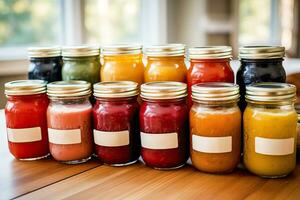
{"x": 209, "y": 64}
{"x": 122, "y": 63}
{"x": 116, "y": 127}
{"x": 26, "y": 121}
{"x": 164, "y": 125}
{"x": 45, "y": 63}
{"x": 259, "y": 64}
{"x": 69, "y": 118}
{"x": 165, "y": 63}
{"x": 81, "y": 63}
{"x": 215, "y": 127}
{"x": 270, "y": 129}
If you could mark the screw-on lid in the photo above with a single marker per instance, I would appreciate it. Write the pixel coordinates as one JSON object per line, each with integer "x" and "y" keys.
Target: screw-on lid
{"x": 121, "y": 49}
{"x": 165, "y": 50}
{"x": 163, "y": 90}
{"x": 25, "y": 87}
{"x": 270, "y": 92}
{"x": 210, "y": 52}
{"x": 65, "y": 89}
{"x": 116, "y": 89}
{"x": 261, "y": 52}
{"x": 80, "y": 51}
{"x": 44, "y": 52}
{"x": 215, "y": 92}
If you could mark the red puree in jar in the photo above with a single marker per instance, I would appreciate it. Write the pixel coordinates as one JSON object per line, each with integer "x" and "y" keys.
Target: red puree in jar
{"x": 116, "y": 127}
{"x": 26, "y": 122}
{"x": 209, "y": 64}
{"x": 168, "y": 119}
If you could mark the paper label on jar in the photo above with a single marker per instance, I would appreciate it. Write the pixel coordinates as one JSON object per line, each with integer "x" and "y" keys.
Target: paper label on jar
{"x": 24, "y": 134}
{"x": 111, "y": 139}
{"x": 72, "y": 136}
{"x": 212, "y": 144}
{"x": 274, "y": 147}
{"x": 159, "y": 140}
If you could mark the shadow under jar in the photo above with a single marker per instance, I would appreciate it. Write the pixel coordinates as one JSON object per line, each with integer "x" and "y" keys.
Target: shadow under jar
{"x": 69, "y": 118}
{"x": 26, "y": 119}
{"x": 164, "y": 125}
{"x": 209, "y": 64}
{"x": 165, "y": 63}
{"x": 259, "y": 64}
{"x": 81, "y": 63}
{"x": 122, "y": 63}
{"x": 270, "y": 129}
{"x": 116, "y": 122}
{"x": 215, "y": 127}
{"x": 45, "y": 63}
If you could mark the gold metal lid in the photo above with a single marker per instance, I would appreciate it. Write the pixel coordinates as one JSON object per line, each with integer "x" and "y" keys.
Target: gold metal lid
{"x": 261, "y": 52}
{"x": 80, "y": 51}
{"x": 210, "y": 52}
{"x": 116, "y": 89}
{"x": 165, "y": 50}
{"x": 25, "y": 87}
{"x": 163, "y": 90}
{"x": 65, "y": 89}
{"x": 44, "y": 52}
{"x": 121, "y": 49}
{"x": 270, "y": 92}
{"x": 215, "y": 92}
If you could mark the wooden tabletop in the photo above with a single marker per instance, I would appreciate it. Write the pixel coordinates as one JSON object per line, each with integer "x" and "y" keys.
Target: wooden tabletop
{"x": 47, "y": 179}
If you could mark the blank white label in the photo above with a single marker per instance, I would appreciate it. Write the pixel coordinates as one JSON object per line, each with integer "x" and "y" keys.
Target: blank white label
{"x": 159, "y": 140}
{"x": 72, "y": 136}
{"x": 24, "y": 134}
{"x": 274, "y": 147}
{"x": 212, "y": 144}
{"x": 111, "y": 139}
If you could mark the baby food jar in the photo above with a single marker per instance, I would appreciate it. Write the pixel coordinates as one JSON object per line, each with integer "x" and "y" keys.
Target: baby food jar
{"x": 164, "y": 124}
{"x": 116, "y": 122}
{"x": 215, "y": 127}
{"x": 69, "y": 118}
{"x": 270, "y": 129}
{"x": 26, "y": 119}
{"x": 165, "y": 63}
{"x": 122, "y": 63}
{"x": 81, "y": 63}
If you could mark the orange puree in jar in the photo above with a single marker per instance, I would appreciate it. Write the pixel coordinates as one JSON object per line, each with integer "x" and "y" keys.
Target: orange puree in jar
{"x": 215, "y": 127}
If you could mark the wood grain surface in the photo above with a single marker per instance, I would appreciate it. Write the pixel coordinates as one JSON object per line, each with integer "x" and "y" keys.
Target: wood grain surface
{"x": 47, "y": 179}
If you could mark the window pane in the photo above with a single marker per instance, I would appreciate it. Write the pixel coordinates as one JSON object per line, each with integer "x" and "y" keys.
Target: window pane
{"x": 24, "y": 22}
{"x": 255, "y": 21}
{"x": 112, "y": 21}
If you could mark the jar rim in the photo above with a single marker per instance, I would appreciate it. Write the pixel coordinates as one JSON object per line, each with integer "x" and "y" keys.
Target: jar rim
{"x": 120, "y": 49}
{"x": 116, "y": 89}
{"x": 67, "y": 89}
{"x": 270, "y": 92}
{"x": 164, "y": 50}
{"x": 261, "y": 52}
{"x": 25, "y": 87}
{"x": 163, "y": 90}
{"x": 215, "y": 92}
{"x": 210, "y": 52}
{"x": 80, "y": 51}
{"x": 44, "y": 51}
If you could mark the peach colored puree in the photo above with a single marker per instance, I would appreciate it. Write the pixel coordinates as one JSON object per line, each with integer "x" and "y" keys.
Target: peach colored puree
{"x": 65, "y": 117}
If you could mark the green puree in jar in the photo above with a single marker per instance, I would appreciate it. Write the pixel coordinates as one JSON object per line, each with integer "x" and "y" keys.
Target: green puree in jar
{"x": 81, "y": 63}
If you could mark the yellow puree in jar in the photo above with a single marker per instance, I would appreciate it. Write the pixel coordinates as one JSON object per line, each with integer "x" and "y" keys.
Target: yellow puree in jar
{"x": 273, "y": 124}
{"x": 123, "y": 68}
{"x": 165, "y": 69}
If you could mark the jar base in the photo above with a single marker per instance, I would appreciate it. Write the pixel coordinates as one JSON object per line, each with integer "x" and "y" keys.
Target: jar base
{"x": 169, "y": 168}
{"x": 36, "y": 158}
{"x": 74, "y": 162}
{"x": 122, "y": 164}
